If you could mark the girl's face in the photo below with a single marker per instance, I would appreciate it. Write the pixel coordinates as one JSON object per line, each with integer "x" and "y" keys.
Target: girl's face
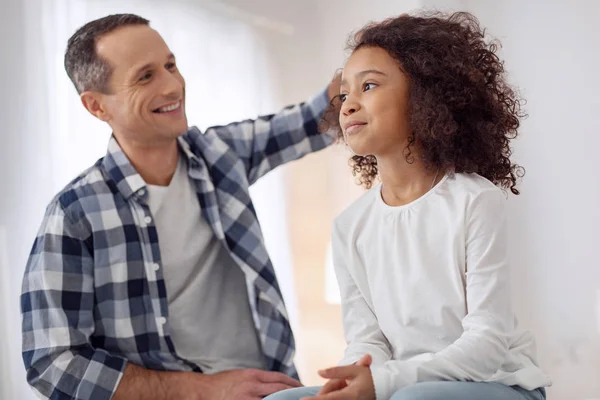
{"x": 375, "y": 112}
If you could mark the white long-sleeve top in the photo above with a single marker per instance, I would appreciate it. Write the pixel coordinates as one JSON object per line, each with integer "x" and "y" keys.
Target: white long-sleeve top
{"x": 425, "y": 288}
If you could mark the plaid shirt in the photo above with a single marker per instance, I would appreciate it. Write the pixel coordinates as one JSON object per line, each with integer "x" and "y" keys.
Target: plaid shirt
{"x": 93, "y": 293}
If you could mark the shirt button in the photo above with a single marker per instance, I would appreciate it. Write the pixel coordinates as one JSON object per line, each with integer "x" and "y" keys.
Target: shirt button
{"x": 155, "y": 266}
{"x": 141, "y": 192}
{"x": 162, "y": 320}
{"x": 147, "y": 220}
{"x": 180, "y": 362}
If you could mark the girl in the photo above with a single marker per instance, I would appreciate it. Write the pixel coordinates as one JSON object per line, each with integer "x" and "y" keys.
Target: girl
{"x": 422, "y": 258}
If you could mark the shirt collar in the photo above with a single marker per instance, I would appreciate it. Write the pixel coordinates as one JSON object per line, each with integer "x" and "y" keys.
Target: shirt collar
{"x": 124, "y": 175}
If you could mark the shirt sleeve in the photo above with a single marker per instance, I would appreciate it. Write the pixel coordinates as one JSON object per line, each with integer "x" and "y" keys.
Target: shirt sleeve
{"x": 57, "y": 303}
{"x": 480, "y": 351}
{"x": 361, "y": 328}
{"x": 269, "y": 141}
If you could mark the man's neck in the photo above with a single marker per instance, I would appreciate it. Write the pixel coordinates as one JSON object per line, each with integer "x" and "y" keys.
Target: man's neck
{"x": 156, "y": 163}
{"x": 404, "y": 182}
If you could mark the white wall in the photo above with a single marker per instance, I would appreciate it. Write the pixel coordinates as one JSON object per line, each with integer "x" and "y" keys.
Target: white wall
{"x": 552, "y": 53}
{"x": 25, "y": 179}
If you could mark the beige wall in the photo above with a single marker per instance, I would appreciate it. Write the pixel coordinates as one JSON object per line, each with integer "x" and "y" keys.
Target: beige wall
{"x": 319, "y": 336}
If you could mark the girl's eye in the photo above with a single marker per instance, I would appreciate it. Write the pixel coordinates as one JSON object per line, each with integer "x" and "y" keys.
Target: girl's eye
{"x": 369, "y": 86}
{"x": 366, "y": 88}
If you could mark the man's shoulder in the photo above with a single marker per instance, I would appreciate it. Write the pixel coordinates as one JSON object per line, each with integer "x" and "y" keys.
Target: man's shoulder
{"x": 201, "y": 143}
{"x": 83, "y": 192}
{"x": 214, "y": 147}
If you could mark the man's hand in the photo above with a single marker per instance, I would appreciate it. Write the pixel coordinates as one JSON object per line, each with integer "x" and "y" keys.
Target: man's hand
{"x": 352, "y": 382}
{"x": 242, "y": 384}
{"x": 334, "y": 86}
{"x": 329, "y": 122}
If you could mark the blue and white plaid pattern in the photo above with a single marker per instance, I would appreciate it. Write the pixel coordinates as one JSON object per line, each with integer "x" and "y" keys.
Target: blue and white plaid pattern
{"x": 93, "y": 292}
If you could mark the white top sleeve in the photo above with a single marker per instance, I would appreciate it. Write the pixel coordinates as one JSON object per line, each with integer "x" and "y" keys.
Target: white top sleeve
{"x": 483, "y": 346}
{"x": 361, "y": 329}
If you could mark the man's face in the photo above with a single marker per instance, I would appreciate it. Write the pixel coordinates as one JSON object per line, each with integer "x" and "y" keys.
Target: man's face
{"x": 145, "y": 100}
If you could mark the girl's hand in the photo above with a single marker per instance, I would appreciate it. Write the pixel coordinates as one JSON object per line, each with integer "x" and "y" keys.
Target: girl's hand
{"x": 349, "y": 382}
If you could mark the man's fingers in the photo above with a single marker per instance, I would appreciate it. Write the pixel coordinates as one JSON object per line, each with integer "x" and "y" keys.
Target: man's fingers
{"x": 278, "y": 377}
{"x": 346, "y": 372}
{"x": 332, "y": 385}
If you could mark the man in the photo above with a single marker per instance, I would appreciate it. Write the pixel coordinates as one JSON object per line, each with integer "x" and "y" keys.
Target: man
{"x": 149, "y": 278}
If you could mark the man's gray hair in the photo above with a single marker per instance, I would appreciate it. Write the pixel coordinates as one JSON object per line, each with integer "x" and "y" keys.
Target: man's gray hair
{"x": 87, "y": 70}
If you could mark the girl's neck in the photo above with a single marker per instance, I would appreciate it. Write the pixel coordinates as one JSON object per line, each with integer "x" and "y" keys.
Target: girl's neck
{"x": 404, "y": 182}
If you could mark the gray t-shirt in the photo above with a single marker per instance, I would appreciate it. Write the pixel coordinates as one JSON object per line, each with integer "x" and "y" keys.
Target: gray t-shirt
{"x": 210, "y": 319}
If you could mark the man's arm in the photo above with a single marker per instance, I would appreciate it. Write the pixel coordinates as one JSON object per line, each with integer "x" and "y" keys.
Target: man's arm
{"x": 139, "y": 383}
{"x": 57, "y": 303}
{"x": 269, "y": 141}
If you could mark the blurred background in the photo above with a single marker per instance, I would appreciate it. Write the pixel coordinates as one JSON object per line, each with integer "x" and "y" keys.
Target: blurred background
{"x": 244, "y": 58}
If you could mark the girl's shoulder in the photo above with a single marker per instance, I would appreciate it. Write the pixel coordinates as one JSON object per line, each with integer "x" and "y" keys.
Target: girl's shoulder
{"x": 471, "y": 183}
{"x": 466, "y": 189}
{"x": 477, "y": 195}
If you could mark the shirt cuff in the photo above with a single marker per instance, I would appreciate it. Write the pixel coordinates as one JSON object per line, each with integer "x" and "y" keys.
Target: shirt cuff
{"x": 319, "y": 102}
{"x": 348, "y": 361}
{"x": 381, "y": 382}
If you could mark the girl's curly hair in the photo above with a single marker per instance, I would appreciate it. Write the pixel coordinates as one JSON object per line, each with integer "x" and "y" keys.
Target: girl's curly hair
{"x": 463, "y": 114}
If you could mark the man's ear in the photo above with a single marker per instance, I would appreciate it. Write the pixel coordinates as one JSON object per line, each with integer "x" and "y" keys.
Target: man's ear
{"x": 95, "y": 103}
